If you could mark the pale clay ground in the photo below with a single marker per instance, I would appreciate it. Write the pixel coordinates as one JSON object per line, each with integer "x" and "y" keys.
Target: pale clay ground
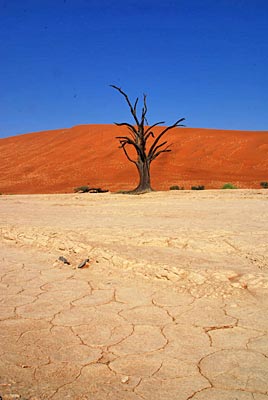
{"x": 173, "y": 304}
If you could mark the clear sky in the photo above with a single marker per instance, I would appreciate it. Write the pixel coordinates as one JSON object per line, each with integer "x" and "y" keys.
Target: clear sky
{"x": 205, "y": 60}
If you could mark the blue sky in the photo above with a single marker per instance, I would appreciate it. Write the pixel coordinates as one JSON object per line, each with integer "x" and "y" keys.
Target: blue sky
{"x": 205, "y": 60}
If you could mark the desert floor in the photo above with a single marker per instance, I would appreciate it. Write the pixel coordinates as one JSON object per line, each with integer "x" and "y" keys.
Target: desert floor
{"x": 173, "y": 303}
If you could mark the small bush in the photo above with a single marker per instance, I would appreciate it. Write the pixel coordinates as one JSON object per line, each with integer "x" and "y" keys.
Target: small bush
{"x": 82, "y": 189}
{"x": 87, "y": 189}
{"x": 176, "y": 187}
{"x": 264, "y": 185}
{"x": 198, "y": 187}
{"x": 97, "y": 190}
{"x": 229, "y": 186}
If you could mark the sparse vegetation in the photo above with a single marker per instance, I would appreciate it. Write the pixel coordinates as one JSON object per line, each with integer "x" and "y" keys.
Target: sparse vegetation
{"x": 229, "y": 186}
{"x": 87, "y": 189}
{"x": 97, "y": 190}
{"x": 264, "y": 185}
{"x": 175, "y": 187}
{"x": 82, "y": 189}
{"x": 198, "y": 187}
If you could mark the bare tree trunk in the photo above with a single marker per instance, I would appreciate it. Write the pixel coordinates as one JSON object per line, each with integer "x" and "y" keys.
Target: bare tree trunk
{"x": 144, "y": 176}
{"x": 138, "y": 136}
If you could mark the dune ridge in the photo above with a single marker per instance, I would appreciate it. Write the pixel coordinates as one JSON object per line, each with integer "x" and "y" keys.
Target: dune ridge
{"x": 57, "y": 161}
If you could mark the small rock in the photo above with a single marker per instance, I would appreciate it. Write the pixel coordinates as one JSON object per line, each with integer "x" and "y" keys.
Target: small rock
{"x": 125, "y": 379}
{"x": 64, "y": 260}
{"x": 83, "y": 263}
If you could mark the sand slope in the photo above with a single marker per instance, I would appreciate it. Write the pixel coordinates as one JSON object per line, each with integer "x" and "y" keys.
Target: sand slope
{"x": 60, "y": 160}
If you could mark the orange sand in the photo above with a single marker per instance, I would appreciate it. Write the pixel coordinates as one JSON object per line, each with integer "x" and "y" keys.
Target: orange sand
{"x": 58, "y": 161}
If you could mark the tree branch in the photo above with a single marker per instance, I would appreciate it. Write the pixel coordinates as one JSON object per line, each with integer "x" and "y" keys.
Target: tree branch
{"x": 127, "y": 140}
{"x": 146, "y": 137}
{"x": 133, "y": 110}
{"x": 147, "y": 134}
{"x": 126, "y": 153}
{"x": 156, "y": 148}
{"x": 166, "y": 150}
{"x": 144, "y": 110}
{"x": 152, "y": 126}
{"x": 135, "y": 105}
{"x": 131, "y": 127}
{"x": 177, "y": 123}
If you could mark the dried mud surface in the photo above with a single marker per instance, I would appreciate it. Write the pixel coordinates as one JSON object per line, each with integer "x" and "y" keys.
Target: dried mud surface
{"x": 173, "y": 303}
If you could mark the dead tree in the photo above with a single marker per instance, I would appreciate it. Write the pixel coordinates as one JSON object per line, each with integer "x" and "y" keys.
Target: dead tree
{"x": 139, "y": 134}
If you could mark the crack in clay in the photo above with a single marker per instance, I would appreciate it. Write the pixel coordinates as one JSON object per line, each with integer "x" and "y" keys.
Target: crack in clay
{"x": 51, "y": 321}
{"x": 110, "y": 369}
{"x": 35, "y": 368}
{"x": 155, "y": 372}
{"x": 163, "y": 308}
{"x": 76, "y": 335}
{"x": 254, "y": 337}
{"x": 103, "y": 359}
{"x": 204, "y": 376}
{"x": 198, "y": 391}
{"x": 25, "y": 332}
{"x": 79, "y": 298}
{"x": 136, "y": 387}
{"x": 165, "y": 337}
{"x": 214, "y": 328}
{"x": 67, "y": 383}
{"x": 121, "y": 340}
{"x": 209, "y": 337}
{"x": 145, "y": 352}
{"x": 230, "y": 316}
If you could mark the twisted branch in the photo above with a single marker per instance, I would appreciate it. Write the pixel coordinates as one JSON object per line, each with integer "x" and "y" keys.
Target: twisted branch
{"x": 133, "y": 110}
{"x": 152, "y": 148}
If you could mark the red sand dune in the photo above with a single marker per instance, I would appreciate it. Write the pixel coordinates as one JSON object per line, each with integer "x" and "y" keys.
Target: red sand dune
{"x": 58, "y": 161}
